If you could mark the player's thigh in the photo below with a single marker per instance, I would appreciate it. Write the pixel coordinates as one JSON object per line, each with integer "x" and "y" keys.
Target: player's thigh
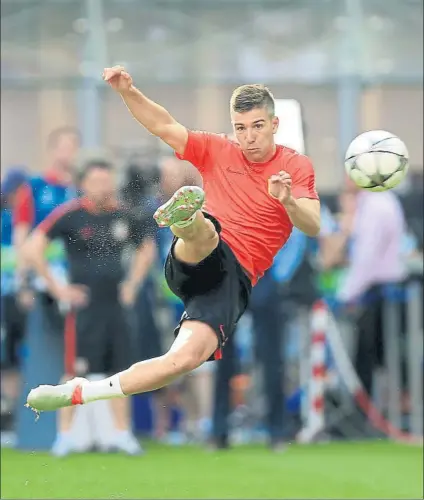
{"x": 186, "y": 280}
{"x": 193, "y": 252}
{"x": 92, "y": 339}
{"x": 195, "y": 242}
{"x": 220, "y": 308}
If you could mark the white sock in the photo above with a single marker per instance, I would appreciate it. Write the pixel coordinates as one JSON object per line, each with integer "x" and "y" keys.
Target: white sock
{"x": 107, "y": 388}
{"x": 187, "y": 222}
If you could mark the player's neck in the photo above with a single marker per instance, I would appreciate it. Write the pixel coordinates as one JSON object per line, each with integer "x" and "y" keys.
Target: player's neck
{"x": 271, "y": 153}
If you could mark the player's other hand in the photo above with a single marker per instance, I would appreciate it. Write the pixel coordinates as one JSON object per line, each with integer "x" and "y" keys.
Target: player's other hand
{"x": 117, "y": 78}
{"x": 279, "y": 187}
{"x": 73, "y": 295}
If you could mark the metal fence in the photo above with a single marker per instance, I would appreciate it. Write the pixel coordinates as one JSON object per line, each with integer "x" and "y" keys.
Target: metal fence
{"x": 213, "y": 41}
{"x": 352, "y": 66}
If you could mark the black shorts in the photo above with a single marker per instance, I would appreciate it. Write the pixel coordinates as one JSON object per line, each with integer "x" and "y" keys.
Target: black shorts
{"x": 13, "y": 324}
{"x": 104, "y": 338}
{"x": 216, "y": 291}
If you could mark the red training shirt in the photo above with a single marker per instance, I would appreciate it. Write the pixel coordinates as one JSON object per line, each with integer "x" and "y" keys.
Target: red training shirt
{"x": 254, "y": 225}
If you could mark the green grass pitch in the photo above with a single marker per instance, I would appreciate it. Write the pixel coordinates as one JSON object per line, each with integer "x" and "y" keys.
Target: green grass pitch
{"x": 335, "y": 470}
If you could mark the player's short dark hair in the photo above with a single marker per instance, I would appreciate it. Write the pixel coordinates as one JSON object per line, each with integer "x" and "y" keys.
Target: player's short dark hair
{"x": 248, "y": 97}
{"x": 94, "y": 164}
{"x": 56, "y": 134}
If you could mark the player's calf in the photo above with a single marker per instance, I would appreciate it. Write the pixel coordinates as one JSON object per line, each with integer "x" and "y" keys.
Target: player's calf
{"x": 195, "y": 247}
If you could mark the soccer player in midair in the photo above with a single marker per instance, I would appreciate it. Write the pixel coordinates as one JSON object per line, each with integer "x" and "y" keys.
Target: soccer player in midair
{"x": 225, "y": 235}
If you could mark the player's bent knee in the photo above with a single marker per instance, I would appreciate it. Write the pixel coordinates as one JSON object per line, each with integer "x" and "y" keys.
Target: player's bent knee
{"x": 194, "y": 345}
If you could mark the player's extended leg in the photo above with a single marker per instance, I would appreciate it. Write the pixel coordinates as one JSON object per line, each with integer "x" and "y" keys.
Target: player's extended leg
{"x": 194, "y": 345}
{"x": 196, "y": 341}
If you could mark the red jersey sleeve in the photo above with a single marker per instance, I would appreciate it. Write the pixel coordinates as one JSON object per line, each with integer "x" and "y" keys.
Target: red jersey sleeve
{"x": 23, "y": 211}
{"x": 303, "y": 178}
{"x": 201, "y": 148}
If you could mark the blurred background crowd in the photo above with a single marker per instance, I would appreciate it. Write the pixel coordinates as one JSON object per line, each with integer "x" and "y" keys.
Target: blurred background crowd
{"x": 351, "y": 66}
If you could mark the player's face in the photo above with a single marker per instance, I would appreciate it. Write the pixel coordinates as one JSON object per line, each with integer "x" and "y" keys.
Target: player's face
{"x": 99, "y": 186}
{"x": 254, "y": 130}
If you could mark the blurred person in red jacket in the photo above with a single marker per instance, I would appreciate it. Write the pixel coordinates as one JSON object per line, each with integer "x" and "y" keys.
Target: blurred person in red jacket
{"x": 40, "y": 195}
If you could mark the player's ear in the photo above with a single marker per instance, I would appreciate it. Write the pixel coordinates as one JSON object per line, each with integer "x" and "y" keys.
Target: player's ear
{"x": 275, "y": 124}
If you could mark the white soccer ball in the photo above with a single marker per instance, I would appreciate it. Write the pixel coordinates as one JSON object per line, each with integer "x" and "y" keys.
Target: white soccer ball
{"x": 377, "y": 160}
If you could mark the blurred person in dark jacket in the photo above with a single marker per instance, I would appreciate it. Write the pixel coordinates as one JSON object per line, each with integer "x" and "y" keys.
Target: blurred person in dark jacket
{"x": 13, "y": 316}
{"x": 96, "y": 231}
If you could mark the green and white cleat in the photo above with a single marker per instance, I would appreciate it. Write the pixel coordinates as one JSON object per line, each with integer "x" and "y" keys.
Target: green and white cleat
{"x": 183, "y": 205}
{"x": 53, "y": 397}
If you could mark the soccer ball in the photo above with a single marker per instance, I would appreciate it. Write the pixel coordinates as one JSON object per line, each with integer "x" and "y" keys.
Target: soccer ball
{"x": 377, "y": 160}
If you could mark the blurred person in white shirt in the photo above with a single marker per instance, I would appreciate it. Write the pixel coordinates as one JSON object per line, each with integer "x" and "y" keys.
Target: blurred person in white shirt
{"x": 375, "y": 259}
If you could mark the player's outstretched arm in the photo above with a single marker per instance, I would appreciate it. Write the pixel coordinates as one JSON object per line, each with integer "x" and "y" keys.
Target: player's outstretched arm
{"x": 151, "y": 115}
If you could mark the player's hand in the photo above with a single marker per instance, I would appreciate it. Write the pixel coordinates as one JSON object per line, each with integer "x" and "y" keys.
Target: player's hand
{"x": 128, "y": 293}
{"x": 117, "y": 78}
{"x": 279, "y": 187}
{"x": 73, "y": 295}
